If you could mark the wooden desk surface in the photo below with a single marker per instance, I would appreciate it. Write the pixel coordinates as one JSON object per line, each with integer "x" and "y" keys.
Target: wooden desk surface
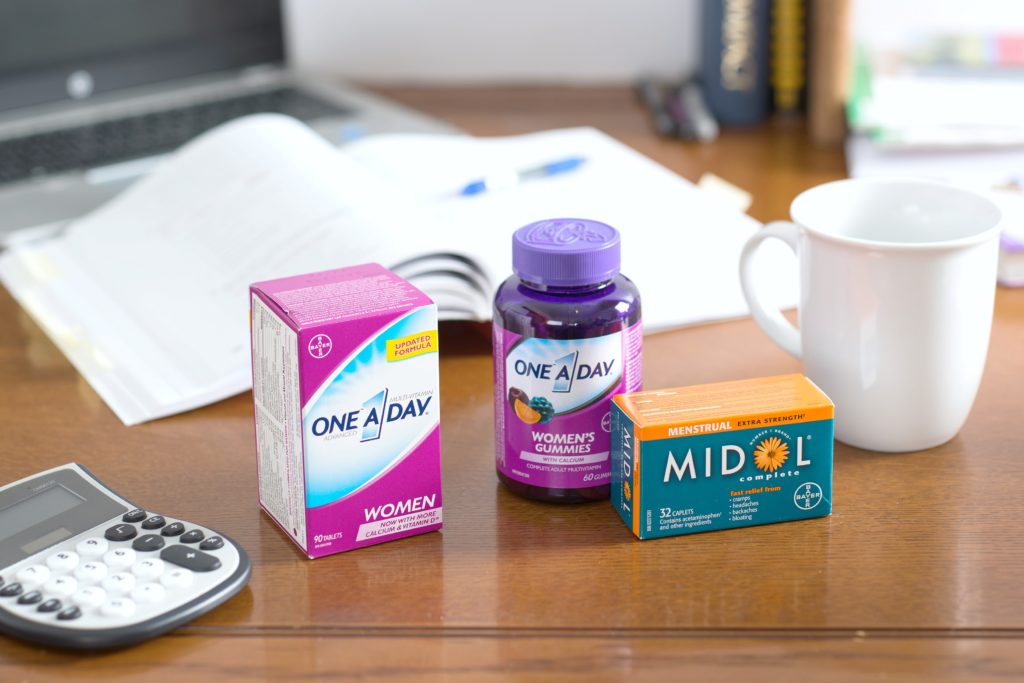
{"x": 917, "y": 576}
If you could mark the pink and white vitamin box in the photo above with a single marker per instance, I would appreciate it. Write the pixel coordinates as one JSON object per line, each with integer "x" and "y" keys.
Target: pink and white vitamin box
{"x": 345, "y": 386}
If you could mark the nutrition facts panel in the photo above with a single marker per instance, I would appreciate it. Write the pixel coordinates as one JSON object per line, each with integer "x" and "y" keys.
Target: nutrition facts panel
{"x": 278, "y": 435}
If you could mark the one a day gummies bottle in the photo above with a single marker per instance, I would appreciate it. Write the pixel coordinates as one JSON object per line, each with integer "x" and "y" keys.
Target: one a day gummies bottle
{"x": 567, "y": 338}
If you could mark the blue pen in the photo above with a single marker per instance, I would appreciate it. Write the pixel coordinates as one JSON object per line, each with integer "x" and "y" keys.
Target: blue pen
{"x": 513, "y": 178}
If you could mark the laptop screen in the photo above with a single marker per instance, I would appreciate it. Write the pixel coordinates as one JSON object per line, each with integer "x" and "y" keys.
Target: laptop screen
{"x": 53, "y": 50}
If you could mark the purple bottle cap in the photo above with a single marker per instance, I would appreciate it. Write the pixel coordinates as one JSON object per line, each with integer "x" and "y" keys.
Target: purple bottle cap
{"x": 566, "y": 252}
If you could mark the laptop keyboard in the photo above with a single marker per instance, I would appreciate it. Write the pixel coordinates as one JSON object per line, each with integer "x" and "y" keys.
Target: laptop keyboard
{"x": 144, "y": 135}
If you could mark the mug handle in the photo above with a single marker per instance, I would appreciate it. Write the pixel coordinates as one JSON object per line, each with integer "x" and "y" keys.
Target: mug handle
{"x": 771, "y": 320}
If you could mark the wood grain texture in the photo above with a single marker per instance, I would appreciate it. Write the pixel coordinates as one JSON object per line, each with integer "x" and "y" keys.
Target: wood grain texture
{"x": 535, "y": 659}
{"x": 916, "y": 574}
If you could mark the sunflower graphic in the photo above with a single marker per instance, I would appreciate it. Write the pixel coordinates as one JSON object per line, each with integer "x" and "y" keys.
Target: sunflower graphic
{"x": 770, "y": 454}
{"x": 625, "y": 490}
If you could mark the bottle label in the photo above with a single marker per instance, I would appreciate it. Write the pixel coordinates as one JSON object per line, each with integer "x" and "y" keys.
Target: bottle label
{"x": 552, "y": 401}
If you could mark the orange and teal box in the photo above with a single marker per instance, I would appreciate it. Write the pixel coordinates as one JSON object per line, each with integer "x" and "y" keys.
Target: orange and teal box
{"x": 721, "y": 456}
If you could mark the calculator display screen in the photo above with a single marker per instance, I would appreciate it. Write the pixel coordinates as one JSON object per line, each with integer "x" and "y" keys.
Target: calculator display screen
{"x": 35, "y": 509}
{"x": 55, "y": 505}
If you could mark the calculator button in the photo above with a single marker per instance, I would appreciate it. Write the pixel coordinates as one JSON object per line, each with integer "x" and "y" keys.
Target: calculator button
{"x": 173, "y": 529}
{"x": 90, "y": 596}
{"x": 150, "y": 568}
{"x": 193, "y": 536}
{"x": 147, "y": 543}
{"x": 10, "y": 590}
{"x": 133, "y": 516}
{"x": 30, "y": 598}
{"x": 121, "y": 532}
{"x": 190, "y": 558}
{"x": 63, "y": 561}
{"x": 92, "y": 547}
{"x": 61, "y": 586}
{"x": 119, "y": 583}
{"x": 118, "y": 607}
{"x": 212, "y": 543}
{"x": 148, "y": 593}
{"x": 154, "y": 522}
{"x": 51, "y": 605}
{"x": 69, "y": 613}
{"x": 91, "y": 572}
{"x": 119, "y": 558}
{"x": 34, "y": 575}
{"x": 177, "y": 578}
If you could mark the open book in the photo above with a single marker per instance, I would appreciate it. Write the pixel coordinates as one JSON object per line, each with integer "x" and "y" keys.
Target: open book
{"x": 147, "y": 295}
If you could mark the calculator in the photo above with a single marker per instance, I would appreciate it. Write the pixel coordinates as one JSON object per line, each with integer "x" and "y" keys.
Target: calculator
{"x": 83, "y": 568}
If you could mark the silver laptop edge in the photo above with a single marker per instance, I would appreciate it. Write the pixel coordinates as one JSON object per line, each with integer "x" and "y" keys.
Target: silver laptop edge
{"x": 46, "y": 202}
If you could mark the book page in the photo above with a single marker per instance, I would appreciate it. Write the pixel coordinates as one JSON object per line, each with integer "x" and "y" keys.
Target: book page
{"x": 680, "y": 245}
{"x": 148, "y": 295}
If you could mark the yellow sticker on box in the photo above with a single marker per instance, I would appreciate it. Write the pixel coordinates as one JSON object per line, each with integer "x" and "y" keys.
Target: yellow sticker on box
{"x": 409, "y": 347}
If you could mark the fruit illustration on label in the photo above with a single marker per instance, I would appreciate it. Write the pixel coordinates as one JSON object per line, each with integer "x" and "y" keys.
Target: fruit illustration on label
{"x": 543, "y": 406}
{"x": 525, "y": 413}
{"x": 515, "y": 394}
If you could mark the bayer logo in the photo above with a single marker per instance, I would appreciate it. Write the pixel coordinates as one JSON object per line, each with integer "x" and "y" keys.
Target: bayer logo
{"x": 807, "y": 496}
{"x": 320, "y": 346}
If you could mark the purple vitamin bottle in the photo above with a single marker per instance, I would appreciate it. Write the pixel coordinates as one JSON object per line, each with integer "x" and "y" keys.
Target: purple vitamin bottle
{"x": 567, "y": 338}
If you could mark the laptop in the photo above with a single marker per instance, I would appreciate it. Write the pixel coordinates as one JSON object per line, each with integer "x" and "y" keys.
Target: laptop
{"x": 93, "y": 94}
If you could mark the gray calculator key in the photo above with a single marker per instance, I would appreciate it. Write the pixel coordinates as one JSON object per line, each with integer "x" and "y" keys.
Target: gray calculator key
{"x": 51, "y": 605}
{"x": 212, "y": 543}
{"x": 190, "y": 558}
{"x": 10, "y": 590}
{"x": 136, "y": 515}
{"x": 154, "y": 522}
{"x": 148, "y": 542}
{"x": 173, "y": 529}
{"x": 121, "y": 532}
{"x": 30, "y": 598}
{"x": 193, "y": 536}
{"x": 69, "y": 613}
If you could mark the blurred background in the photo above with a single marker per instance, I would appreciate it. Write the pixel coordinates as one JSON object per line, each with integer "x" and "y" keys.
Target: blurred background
{"x": 754, "y": 100}
{"x": 917, "y": 87}
{"x": 944, "y": 47}
{"x": 524, "y": 42}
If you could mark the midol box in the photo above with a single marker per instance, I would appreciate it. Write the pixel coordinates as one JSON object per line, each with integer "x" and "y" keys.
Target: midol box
{"x": 345, "y": 385}
{"x": 719, "y": 456}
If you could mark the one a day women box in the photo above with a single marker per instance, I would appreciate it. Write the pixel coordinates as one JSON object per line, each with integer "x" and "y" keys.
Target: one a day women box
{"x": 345, "y": 386}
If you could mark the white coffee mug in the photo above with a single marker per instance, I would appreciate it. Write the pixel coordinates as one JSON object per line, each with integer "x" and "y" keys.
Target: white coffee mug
{"x": 897, "y": 286}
